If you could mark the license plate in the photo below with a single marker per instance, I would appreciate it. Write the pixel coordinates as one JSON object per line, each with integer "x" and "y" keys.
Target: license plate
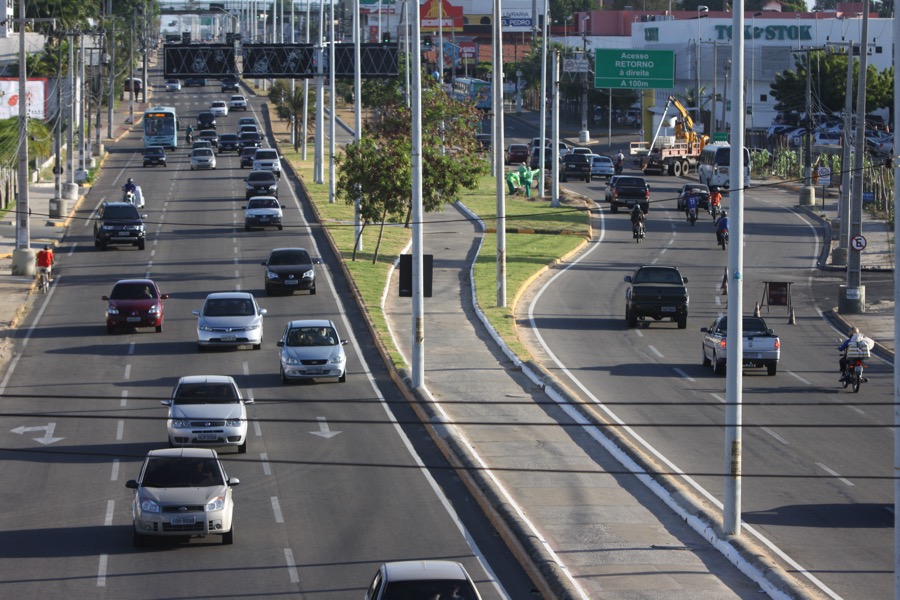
{"x": 314, "y": 371}
{"x": 207, "y": 437}
{"x": 123, "y": 233}
{"x": 183, "y": 520}
{"x": 752, "y": 355}
{"x": 229, "y": 338}
{"x": 668, "y": 309}
{"x": 133, "y": 319}
{"x": 291, "y": 282}
{"x": 264, "y": 218}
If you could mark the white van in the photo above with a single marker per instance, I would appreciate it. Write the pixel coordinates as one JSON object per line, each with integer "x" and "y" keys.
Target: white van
{"x": 715, "y": 165}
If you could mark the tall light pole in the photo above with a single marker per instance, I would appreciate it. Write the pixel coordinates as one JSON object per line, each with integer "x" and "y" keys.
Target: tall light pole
{"x": 584, "y": 135}
{"x": 727, "y": 69}
{"x": 700, "y": 10}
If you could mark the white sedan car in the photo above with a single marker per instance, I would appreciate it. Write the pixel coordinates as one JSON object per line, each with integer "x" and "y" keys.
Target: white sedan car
{"x": 219, "y": 108}
{"x": 203, "y": 158}
{"x": 263, "y": 211}
{"x": 237, "y": 102}
{"x": 207, "y": 410}
{"x": 173, "y": 85}
{"x": 230, "y": 319}
{"x": 182, "y": 492}
{"x": 311, "y": 349}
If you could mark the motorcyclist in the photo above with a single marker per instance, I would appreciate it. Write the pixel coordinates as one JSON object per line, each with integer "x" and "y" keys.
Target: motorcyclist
{"x": 637, "y": 218}
{"x": 129, "y": 187}
{"x": 620, "y": 162}
{"x": 691, "y": 203}
{"x": 189, "y": 134}
{"x": 856, "y": 338}
{"x": 721, "y": 226}
{"x": 715, "y": 200}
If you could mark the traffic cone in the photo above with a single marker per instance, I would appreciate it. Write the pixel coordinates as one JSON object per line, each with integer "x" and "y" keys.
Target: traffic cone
{"x": 756, "y": 310}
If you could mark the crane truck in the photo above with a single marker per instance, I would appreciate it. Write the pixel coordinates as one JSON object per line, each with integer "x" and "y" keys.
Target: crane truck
{"x": 678, "y": 154}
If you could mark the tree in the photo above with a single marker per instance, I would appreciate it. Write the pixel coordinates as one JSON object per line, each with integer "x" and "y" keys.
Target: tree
{"x": 288, "y": 106}
{"x": 829, "y": 84}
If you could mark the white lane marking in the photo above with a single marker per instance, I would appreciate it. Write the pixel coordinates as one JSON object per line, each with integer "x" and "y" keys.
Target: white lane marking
{"x": 684, "y": 375}
{"x": 120, "y": 429}
{"x": 655, "y": 351}
{"x": 257, "y": 429}
{"x": 110, "y": 512}
{"x": 800, "y": 379}
{"x": 127, "y": 374}
{"x": 246, "y": 367}
{"x": 775, "y": 435}
{"x": 101, "y": 570}
{"x": 639, "y": 333}
{"x": 124, "y": 400}
{"x": 834, "y": 473}
{"x": 276, "y": 509}
{"x": 131, "y": 346}
{"x": 292, "y": 568}
{"x": 114, "y": 473}
{"x": 718, "y": 397}
{"x": 264, "y": 459}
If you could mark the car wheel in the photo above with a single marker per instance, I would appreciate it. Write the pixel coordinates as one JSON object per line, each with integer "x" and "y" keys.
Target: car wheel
{"x": 342, "y": 378}
{"x": 630, "y": 319}
{"x": 246, "y": 228}
{"x": 682, "y": 322}
{"x": 228, "y": 538}
{"x": 242, "y": 449}
{"x": 718, "y": 365}
{"x": 257, "y": 346}
{"x": 614, "y": 208}
{"x": 109, "y": 329}
{"x": 137, "y": 539}
{"x": 103, "y": 245}
{"x": 706, "y": 361}
{"x": 201, "y": 348}
{"x": 312, "y": 291}
{"x": 280, "y": 227}
{"x": 772, "y": 369}
{"x": 268, "y": 291}
{"x": 141, "y": 245}
{"x": 159, "y": 328}
{"x": 587, "y": 179}
{"x": 284, "y": 380}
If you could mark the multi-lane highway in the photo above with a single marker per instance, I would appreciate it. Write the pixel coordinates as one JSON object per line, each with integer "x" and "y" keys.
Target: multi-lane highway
{"x": 319, "y": 506}
{"x": 816, "y": 458}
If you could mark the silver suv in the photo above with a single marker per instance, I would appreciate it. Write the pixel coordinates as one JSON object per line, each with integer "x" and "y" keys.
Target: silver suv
{"x": 267, "y": 159}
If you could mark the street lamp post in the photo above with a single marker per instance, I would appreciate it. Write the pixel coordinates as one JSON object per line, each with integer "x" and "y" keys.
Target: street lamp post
{"x": 727, "y": 69}
{"x": 584, "y": 135}
{"x": 700, "y": 10}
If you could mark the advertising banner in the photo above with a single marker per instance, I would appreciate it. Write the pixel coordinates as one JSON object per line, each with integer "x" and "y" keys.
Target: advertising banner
{"x": 35, "y": 97}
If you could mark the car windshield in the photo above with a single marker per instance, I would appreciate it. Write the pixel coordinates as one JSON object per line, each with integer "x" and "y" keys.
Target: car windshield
{"x": 257, "y": 177}
{"x": 133, "y": 291}
{"x": 290, "y": 257}
{"x": 311, "y": 336}
{"x": 205, "y": 393}
{"x": 266, "y": 155}
{"x": 202, "y": 152}
{"x": 228, "y": 307}
{"x": 169, "y": 472}
{"x": 154, "y": 151}
{"x": 407, "y": 590}
{"x": 262, "y": 203}
{"x": 654, "y": 275}
{"x": 124, "y": 213}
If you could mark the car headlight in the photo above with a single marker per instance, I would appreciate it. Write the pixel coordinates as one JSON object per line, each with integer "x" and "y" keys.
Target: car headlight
{"x": 112, "y": 310}
{"x": 309, "y": 274}
{"x": 204, "y": 328}
{"x": 217, "y": 503}
{"x": 180, "y": 423}
{"x": 108, "y": 227}
{"x": 154, "y": 310}
{"x": 233, "y": 422}
{"x": 149, "y": 505}
{"x": 271, "y": 275}
{"x": 253, "y": 326}
{"x": 337, "y": 360}
{"x": 291, "y": 360}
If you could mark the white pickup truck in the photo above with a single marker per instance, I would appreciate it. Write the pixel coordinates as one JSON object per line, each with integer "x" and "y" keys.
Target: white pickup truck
{"x": 762, "y": 348}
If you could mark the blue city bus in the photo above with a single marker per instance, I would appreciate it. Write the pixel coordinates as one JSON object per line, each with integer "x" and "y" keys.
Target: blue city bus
{"x": 161, "y": 127}
{"x": 468, "y": 89}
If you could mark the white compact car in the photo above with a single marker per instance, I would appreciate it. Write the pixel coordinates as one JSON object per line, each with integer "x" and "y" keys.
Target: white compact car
{"x": 219, "y": 108}
{"x": 207, "y": 410}
{"x": 267, "y": 159}
{"x": 237, "y": 102}
{"x": 203, "y": 158}
{"x": 173, "y": 85}
{"x": 182, "y": 492}
{"x": 311, "y": 349}
{"x": 230, "y": 319}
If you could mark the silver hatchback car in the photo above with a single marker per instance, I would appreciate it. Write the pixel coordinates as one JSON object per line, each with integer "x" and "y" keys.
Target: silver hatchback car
{"x": 230, "y": 319}
{"x": 182, "y": 492}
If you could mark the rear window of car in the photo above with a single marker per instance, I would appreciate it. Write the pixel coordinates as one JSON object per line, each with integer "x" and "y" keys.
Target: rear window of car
{"x": 603, "y": 159}
{"x": 630, "y": 181}
{"x": 575, "y": 158}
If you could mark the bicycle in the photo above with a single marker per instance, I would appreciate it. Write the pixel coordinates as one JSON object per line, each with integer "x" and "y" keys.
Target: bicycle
{"x": 43, "y": 278}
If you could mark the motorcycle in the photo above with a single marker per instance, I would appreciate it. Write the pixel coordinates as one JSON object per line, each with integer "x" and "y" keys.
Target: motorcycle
{"x": 692, "y": 215}
{"x": 714, "y": 211}
{"x": 637, "y": 231}
{"x": 128, "y": 196}
{"x": 620, "y": 164}
{"x": 723, "y": 239}
{"x": 189, "y": 137}
{"x": 854, "y": 375}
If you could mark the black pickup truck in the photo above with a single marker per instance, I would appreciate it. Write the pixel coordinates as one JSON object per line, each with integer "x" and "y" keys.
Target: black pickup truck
{"x": 626, "y": 191}
{"x": 656, "y": 292}
{"x": 577, "y": 166}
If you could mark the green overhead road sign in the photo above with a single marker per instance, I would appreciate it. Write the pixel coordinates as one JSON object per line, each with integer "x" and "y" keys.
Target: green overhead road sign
{"x": 634, "y": 69}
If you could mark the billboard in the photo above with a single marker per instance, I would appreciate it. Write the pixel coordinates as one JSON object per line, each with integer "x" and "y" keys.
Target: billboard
{"x": 35, "y": 98}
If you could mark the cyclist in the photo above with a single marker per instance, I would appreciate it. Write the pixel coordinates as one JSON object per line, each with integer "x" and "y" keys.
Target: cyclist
{"x": 45, "y": 262}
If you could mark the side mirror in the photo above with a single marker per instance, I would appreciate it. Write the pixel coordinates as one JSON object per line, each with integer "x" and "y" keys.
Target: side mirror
{"x": 263, "y": 311}
{"x": 280, "y": 343}
{"x": 166, "y": 402}
{"x": 196, "y": 312}
{"x": 164, "y": 297}
{"x": 131, "y": 484}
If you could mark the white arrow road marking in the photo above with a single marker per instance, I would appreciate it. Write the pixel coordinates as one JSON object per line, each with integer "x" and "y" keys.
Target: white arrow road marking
{"x": 324, "y": 431}
{"x": 47, "y": 429}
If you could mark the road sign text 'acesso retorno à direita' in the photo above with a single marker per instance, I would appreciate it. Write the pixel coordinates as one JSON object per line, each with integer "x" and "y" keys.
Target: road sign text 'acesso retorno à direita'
{"x": 634, "y": 69}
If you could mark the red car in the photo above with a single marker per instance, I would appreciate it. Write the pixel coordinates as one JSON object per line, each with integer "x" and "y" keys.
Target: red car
{"x": 134, "y": 303}
{"x": 516, "y": 154}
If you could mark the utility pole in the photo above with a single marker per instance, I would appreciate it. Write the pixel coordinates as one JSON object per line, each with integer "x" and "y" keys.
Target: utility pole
{"x": 497, "y": 87}
{"x": 839, "y": 254}
{"x": 808, "y": 191}
{"x": 23, "y": 260}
